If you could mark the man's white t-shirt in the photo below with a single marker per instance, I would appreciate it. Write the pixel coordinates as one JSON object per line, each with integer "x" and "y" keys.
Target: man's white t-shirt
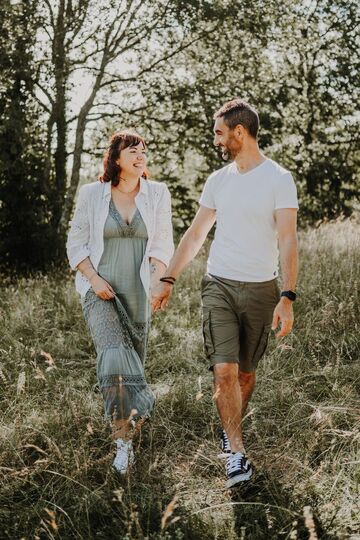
{"x": 245, "y": 244}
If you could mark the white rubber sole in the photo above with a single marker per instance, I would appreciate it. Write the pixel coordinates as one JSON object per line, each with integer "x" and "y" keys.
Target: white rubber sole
{"x": 120, "y": 471}
{"x": 224, "y": 455}
{"x": 237, "y": 480}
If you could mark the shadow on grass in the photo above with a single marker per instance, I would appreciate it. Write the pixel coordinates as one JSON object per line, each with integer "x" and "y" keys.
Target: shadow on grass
{"x": 263, "y": 510}
{"x": 151, "y": 490}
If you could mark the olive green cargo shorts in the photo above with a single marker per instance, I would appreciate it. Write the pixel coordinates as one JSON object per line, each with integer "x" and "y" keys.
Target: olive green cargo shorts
{"x": 237, "y": 319}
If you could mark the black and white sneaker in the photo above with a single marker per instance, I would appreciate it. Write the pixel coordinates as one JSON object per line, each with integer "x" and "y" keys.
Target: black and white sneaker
{"x": 238, "y": 469}
{"x": 224, "y": 445}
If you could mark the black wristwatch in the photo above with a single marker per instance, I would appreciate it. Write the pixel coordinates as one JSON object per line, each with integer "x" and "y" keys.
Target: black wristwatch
{"x": 289, "y": 294}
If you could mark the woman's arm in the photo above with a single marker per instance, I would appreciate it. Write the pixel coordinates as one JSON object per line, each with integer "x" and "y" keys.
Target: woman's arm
{"x": 157, "y": 270}
{"x": 99, "y": 285}
{"x": 77, "y": 248}
{"x": 162, "y": 245}
{"x": 87, "y": 269}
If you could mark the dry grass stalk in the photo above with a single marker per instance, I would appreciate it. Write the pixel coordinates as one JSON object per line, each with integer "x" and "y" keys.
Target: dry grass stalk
{"x": 49, "y": 360}
{"x": 20, "y": 387}
{"x": 39, "y": 374}
{"x": 169, "y": 512}
{"x": 51, "y": 522}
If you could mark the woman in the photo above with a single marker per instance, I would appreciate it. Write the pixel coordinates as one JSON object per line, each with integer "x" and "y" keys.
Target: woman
{"x": 120, "y": 242}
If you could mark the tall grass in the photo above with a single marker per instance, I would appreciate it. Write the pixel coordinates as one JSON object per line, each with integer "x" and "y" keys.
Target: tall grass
{"x": 301, "y": 432}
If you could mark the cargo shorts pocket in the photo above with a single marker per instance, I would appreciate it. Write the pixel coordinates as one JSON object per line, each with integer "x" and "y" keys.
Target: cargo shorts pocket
{"x": 261, "y": 348}
{"x": 207, "y": 335}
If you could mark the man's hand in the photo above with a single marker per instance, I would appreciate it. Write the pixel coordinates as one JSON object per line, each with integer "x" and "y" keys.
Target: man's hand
{"x": 160, "y": 295}
{"x": 283, "y": 314}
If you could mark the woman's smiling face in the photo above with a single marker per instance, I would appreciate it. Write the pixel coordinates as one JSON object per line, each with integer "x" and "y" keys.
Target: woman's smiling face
{"x": 132, "y": 160}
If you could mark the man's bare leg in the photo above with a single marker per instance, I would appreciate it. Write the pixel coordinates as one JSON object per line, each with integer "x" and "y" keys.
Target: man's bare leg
{"x": 247, "y": 384}
{"x": 229, "y": 402}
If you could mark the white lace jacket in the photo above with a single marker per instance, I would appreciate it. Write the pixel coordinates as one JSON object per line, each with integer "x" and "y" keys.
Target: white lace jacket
{"x": 86, "y": 238}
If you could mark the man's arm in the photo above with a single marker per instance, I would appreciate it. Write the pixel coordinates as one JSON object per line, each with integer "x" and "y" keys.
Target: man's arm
{"x": 288, "y": 247}
{"x": 187, "y": 250}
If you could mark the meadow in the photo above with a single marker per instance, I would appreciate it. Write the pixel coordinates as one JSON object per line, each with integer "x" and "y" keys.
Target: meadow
{"x": 302, "y": 430}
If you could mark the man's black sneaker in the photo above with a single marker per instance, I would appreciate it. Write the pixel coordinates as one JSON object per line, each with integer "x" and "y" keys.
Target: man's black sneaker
{"x": 224, "y": 444}
{"x": 238, "y": 469}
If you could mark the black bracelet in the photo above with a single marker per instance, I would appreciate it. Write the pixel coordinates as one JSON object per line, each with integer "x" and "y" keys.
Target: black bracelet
{"x": 168, "y": 279}
{"x": 289, "y": 294}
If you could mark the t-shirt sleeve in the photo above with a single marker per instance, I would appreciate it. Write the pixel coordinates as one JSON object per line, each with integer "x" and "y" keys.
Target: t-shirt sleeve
{"x": 286, "y": 195}
{"x": 207, "y": 195}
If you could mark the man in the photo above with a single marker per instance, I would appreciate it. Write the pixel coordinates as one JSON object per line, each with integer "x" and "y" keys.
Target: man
{"x": 254, "y": 202}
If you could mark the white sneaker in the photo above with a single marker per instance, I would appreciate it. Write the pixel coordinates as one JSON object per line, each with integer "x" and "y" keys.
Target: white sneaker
{"x": 124, "y": 456}
{"x": 238, "y": 469}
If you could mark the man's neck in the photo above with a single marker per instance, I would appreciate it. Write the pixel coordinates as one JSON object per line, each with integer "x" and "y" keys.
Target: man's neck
{"x": 248, "y": 159}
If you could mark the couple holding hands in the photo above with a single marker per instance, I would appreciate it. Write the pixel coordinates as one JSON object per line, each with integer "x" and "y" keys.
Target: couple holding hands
{"x": 121, "y": 244}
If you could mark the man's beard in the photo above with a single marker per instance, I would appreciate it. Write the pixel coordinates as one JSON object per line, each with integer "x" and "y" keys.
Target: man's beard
{"x": 225, "y": 154}
{"x": 230, "y": 149}
{"x": 229, "y": 153}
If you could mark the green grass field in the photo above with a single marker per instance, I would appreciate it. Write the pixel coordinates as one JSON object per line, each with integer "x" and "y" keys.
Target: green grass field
{"x": 302, "y": 430}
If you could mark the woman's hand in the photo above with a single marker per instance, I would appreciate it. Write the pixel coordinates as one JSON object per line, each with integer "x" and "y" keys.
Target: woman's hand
{"x": 160, "y": 295}
{"x": 102, "y": 288}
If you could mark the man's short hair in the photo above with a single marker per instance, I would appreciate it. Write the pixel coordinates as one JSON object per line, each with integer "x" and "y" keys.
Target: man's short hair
{"x": 237, "y": 111}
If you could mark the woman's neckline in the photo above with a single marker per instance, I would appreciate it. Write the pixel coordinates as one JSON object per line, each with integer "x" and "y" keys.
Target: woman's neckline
{"x": 119, "y": 214}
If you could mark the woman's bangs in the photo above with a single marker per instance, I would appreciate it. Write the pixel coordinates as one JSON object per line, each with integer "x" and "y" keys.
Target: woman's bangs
{"x": 132, "y": 139}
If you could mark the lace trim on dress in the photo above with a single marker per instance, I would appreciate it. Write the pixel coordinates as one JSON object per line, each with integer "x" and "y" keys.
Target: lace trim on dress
{"x": 105, "y": 335}
{"x": 119, "y": 380}
{"x": 136, "y": 330}
{"x": 126, "y": 229}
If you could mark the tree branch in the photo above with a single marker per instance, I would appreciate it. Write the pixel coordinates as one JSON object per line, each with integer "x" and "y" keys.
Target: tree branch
{"x": 157, "y": 62}
{"x": 84, "y": 59}
{"x": 47, "y": 3}
{"x": 126, "y": 23}
{"x": 46, "y": 92}
{"x": 41, "y": 103}
{"x": 82, "y": 7}
{"x": 91, "y": 35}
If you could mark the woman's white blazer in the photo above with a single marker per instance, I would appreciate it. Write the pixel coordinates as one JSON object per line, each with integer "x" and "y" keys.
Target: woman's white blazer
{"x": 86, "y": 233}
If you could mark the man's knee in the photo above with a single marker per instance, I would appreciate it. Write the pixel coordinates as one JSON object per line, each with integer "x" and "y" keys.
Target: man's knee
{"x": 225, "y": 374}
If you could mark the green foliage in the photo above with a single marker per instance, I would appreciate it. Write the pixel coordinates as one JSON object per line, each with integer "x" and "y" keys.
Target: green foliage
{"x": 27, "y": 239}
{"x": 303, "y": 82}
{"x": 302, "y": 430}
{"x": 165, "y": 69}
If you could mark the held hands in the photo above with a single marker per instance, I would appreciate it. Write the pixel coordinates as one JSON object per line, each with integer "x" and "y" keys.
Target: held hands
{"x": 102, "y": 288}
{"x": 160, "y": 295}
{"x": 283, "y": 315}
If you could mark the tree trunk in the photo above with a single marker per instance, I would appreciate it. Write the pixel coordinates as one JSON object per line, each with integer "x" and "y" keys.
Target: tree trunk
{"x": 60, "y": 71}
{"x": 78, "y": 148}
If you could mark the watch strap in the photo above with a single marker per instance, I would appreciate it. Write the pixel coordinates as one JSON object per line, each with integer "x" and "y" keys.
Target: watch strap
{"x": 289, "y": 294}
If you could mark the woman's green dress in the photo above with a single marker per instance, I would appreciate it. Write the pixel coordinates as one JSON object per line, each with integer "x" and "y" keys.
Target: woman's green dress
{"x": 119, "y": 327}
